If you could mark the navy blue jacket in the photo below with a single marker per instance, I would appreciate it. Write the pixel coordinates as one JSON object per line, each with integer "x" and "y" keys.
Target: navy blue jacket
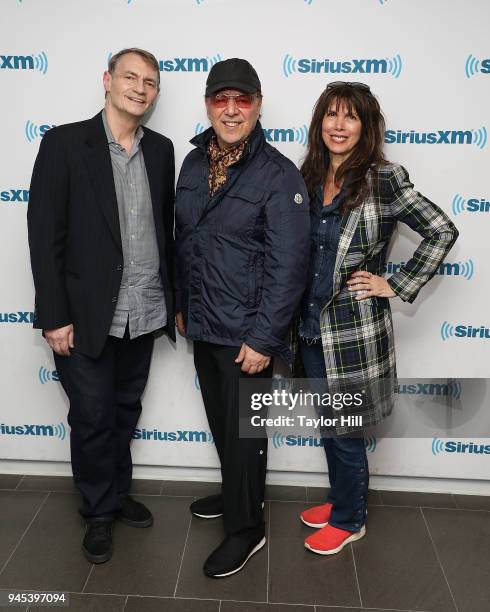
{"x": 242, "y": 255}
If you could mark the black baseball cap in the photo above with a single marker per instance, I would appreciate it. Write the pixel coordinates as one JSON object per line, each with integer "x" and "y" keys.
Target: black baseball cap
{"x": 234, "y": 73}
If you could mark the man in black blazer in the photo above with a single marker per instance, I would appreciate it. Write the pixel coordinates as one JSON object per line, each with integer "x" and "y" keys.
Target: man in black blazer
{"x": 100, "y": 223}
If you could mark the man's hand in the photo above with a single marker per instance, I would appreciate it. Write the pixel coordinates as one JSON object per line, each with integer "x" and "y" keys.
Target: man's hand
{"x": 252, "y": 362}
{"x": 60, "y": 340}
{"x": 179, "y": 321}
{"x": 368, "y": 285}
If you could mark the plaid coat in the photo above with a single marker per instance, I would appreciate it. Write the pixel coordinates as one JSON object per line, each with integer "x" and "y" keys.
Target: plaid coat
{"x": 357, "y": 336}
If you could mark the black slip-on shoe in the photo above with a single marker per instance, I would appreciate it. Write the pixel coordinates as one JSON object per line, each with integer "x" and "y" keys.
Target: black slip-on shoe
{"x": 134, "y": 513}
{"x": 208, "y": 507}
{"x": 97, "y": 542}
{"x": 233, "y": 553}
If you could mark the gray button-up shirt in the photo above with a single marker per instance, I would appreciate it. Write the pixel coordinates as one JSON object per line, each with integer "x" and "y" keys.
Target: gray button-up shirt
{"x": 141, "y": 301}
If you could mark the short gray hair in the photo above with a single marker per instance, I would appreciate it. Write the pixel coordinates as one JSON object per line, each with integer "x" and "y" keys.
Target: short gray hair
{"x": 146, "y": 55}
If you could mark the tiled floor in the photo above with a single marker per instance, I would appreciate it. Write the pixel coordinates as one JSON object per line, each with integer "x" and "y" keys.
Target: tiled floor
{"x": 422, "y": 552}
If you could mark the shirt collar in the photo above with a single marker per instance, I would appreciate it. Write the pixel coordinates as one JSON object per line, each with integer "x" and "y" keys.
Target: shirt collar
{"x": 110, "y": 137}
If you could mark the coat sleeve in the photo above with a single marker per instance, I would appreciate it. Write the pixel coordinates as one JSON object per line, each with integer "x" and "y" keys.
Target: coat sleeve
{"x": 47, "y": 230}
{"x": 437, "y": 230}
{"x": 287, "y": 248}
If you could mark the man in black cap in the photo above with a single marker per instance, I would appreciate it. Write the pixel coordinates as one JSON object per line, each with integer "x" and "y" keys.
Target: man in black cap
{"x": 242, "y": 234}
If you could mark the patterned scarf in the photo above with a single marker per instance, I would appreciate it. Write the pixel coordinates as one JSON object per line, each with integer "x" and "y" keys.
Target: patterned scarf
{"x": 219, "y": 160}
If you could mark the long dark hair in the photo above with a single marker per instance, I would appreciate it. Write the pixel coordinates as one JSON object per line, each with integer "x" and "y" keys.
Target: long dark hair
{"x": 367, "y": 153}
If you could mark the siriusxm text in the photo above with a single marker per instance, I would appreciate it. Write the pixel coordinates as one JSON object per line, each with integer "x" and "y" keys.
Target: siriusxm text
{"x": 439, "y": 137}
{"x": 14, "y": 195}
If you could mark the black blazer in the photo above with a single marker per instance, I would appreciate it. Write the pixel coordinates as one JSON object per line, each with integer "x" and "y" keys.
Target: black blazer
{"x": 74, "y": 235}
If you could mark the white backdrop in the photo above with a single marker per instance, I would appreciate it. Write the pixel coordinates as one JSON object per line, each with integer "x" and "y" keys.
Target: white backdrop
{"x": 428, "y": 64}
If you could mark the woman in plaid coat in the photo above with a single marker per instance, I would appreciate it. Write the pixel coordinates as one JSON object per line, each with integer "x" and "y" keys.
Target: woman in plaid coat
{"x": 346, "y": 331}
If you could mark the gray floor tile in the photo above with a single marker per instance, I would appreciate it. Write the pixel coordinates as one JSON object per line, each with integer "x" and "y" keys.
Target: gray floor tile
{"x": 11, "y": 608}
{"x": 473, "y": 502}
{"x": 330, "y": 609}
{"x": 145, "y": 561}
{"x": 90, "y": 603}
{"x": 146, "y": 487}
{"x": 153, "y": 604}
{"x": 48, "y": 483}
{"x": 461, "y": 539}
{"x": 374, "y": 498}
{"x": 16, "y": 512}
{"x": 396, "y": 563}
{"x": 9, "y": 481}
{"x": 49, "y": 557}
{"x": 417, "y": 499}
{"x": 247, "y": 606}
{"x": 318, "y": 495}
{"x": 250, "y": 584}
{"x": 190, "y": 489}
{"x": 299, "y": 576}
{"x": 282, "y": 493}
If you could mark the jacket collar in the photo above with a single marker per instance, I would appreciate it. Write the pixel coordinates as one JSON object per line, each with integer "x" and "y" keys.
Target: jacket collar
{"x": 99, "y": 165}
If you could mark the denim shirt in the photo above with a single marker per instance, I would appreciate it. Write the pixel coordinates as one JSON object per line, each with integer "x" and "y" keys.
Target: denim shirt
{"x": 325, "y": 235}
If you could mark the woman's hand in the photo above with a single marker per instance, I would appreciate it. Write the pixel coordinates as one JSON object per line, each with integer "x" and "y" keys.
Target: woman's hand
{"x": 368, "y": 285}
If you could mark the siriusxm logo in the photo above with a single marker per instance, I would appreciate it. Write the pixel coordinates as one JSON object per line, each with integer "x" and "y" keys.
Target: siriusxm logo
{"x": 464, "y": 331}
{"x": 189, "y": 64}
{"x": 466, "y": 269}
{"x": 25, "y": 62}
{"x": 450, "y": 137}
{"x": 14, "y": 195}
{"x": 478, "y": 205}
{"x": 173, "y": 436}
{"x": 453, "y": 446}
{"x": 453, "y": 389}
{"x": 304, "y": 65}
{"x": 16, "y": 317}
{"x": 186, "y": 64}
{"x": 293, "y": 134}
{"x": 46, "y": 376}
{"x": 474, "y": 66}
{"x": 51, "y": 431}
{"x": 33, "y": 131}
{"x": 279, "y": 440}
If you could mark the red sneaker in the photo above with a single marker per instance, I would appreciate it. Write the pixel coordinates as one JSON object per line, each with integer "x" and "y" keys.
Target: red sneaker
{"x": 318, "y": 516}
{"x": 331, "y": 540}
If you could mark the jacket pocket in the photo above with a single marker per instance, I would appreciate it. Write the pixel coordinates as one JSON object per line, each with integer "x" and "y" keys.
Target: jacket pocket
{"x": 247, "y": 193}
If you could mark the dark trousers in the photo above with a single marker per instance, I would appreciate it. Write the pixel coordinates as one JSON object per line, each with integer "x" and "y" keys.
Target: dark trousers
{"x": 105, "y": 405}
{"x": 243, "y": 460}
{"x": 347, "y": 462}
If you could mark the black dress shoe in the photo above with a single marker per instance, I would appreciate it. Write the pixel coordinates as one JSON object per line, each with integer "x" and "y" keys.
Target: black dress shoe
{"x": 134, "y": 513}
{"x": 233, "y": 553}
{"x": 97, "y": 543}
{"x": 208, "y": 507}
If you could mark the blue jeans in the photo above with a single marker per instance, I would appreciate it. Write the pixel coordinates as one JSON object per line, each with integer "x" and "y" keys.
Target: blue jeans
{"x": 347, "y": 462}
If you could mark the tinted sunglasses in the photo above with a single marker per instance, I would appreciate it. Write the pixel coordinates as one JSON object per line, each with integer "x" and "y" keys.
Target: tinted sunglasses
{"x": 352, "y": 84}
{"x": 243, "y": 100}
